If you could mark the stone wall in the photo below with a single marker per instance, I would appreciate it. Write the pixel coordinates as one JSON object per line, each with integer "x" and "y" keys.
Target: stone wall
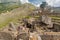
{"x": 51, "y": 36}
{"x": 55, "y": 14}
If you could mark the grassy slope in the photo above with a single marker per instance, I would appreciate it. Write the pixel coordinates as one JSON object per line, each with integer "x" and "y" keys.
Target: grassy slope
{"x": 15, "y": 14}
{"x": 4, "y": 7}
{"x": 20, "y": 12}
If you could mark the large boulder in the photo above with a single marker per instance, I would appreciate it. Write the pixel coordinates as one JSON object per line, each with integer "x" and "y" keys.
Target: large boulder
{"x": 46, "y": 20}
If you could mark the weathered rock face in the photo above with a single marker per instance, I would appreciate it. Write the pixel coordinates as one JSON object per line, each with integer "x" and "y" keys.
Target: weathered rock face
{"x": 29, "y": 23}
{"x": 23, "y": 36}
{"x": 5, "y": 36}
{"x": 47, "y": 20}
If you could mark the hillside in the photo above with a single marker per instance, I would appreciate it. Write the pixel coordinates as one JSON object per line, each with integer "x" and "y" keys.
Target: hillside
{"x": 8, "y": 6}
{"x": 25, "y": 22}
{"x": 56, "y": 9}
{"x": 15, "y": 14}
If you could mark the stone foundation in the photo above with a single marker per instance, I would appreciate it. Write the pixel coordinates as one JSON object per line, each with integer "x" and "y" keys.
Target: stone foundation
{"x": 51, "y": 36}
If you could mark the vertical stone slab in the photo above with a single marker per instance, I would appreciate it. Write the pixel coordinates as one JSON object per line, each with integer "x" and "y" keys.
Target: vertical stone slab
{"x": 47, "y": 20}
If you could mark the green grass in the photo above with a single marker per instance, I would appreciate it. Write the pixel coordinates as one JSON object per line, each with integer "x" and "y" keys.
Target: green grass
{"x": 5, "y": 20}
{"x": 8, "y": 20}
{"x": 4, "y": 8}
{"x": 55, "y": 17}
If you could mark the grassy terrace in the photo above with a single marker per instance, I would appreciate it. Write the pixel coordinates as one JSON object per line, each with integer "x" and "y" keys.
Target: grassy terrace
{"x": 54, "y": 18}
{"x": 4, "y": 7}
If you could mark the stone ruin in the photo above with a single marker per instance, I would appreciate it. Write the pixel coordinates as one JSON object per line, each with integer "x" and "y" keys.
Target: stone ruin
{"x": 30, "y": 32}
{"x": 32, "y": 29}
{"x": 46, "y": 20}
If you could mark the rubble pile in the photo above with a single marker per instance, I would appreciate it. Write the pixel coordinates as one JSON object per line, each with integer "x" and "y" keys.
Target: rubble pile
{"x": 29, "y": 29}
